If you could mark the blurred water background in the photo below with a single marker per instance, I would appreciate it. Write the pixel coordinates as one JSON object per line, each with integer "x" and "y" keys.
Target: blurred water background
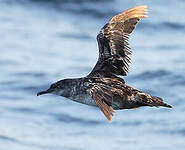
{"x": 43, "y": 41}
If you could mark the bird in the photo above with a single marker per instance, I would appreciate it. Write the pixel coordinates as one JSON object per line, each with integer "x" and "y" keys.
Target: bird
{"x": 104, "y": 87}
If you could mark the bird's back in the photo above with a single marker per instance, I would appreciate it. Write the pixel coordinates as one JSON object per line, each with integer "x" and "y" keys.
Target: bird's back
{"x": 115, "y": 93}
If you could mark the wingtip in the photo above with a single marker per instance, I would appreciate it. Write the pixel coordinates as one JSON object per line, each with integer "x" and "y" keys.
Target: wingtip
{"x": 134, "y": 12}
{"x": 109, "y": 116}
{"x": 109, "y": 120}
{"x": 138, "y": 11}
{"x": 140, "y": 7}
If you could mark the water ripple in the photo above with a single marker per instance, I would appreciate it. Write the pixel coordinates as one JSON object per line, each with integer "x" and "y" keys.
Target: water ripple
{"x": 91, "y": 7}
{"x": 8, "y": 139}
{"x": 173, "y": 132}
{"x": 152, "y": 74}
{"x": 66, "y": 118}
{"x": 42, "y": 39}
{"x": 75, "y": 36}
{"x": 165, "y": 26}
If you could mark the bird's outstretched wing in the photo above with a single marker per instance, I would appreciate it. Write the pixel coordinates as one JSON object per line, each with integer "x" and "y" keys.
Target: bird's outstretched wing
{"x": 105, "y": 92}
{"x": 114, "y": 51}
{"x": 100, "y": 97}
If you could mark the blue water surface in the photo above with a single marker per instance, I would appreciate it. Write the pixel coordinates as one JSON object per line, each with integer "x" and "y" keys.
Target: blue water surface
{"x": 43, "y": 41}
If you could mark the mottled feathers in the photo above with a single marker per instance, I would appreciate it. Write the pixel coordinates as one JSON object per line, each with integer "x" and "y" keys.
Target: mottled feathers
{"x": 112, "y": 94}
{"x": 109, "y": 91}
{"x": 103, "y": 87}
{"x": 114, "y": 50}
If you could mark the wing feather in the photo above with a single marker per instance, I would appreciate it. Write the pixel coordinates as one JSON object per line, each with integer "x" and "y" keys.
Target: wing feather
{"x": 99, "y": 96}
{"x": 114, "y": 50}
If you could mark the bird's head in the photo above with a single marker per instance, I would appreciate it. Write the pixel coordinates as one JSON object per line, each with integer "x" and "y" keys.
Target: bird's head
{"x": 58, "y": 88}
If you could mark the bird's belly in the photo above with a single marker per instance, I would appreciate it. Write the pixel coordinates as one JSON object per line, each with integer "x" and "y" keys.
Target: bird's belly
{"x": 84, "y": 99}
{"x": 87, "y": 99}
{"x": 121, "y": 103}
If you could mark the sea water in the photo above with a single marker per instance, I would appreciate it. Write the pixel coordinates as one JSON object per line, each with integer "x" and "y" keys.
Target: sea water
{"x": 43, "y": 41}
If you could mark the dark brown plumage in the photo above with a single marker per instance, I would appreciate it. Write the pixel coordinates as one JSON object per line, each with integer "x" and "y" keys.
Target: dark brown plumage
{"x": 114, "y": 50}
{"x": 103, "y": 87}
{"x": 113, "y": 93}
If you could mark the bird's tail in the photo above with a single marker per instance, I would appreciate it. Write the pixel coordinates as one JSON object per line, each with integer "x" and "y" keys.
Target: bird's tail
{"x": 152, "y": 101}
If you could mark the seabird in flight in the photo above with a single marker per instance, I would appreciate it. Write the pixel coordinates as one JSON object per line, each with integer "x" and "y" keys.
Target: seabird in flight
{"x": 103, "y": 87}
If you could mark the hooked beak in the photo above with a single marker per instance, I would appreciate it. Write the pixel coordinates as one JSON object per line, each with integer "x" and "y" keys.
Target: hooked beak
{"x": 45, "y": 92}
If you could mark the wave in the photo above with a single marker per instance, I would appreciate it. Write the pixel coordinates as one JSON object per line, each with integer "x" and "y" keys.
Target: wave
{"x": 93, "y": 8}
{"x": 164, "y": 26}
{"x": 151, "y": 74}
{"x": 66, "y": 118}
